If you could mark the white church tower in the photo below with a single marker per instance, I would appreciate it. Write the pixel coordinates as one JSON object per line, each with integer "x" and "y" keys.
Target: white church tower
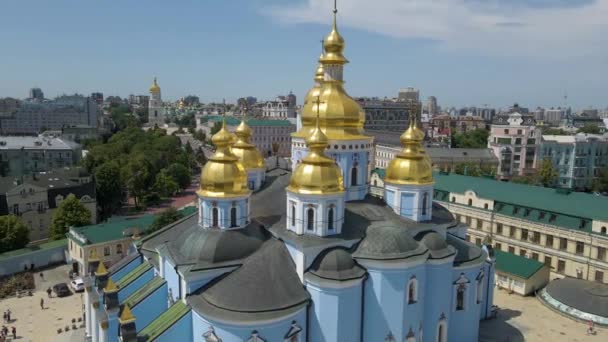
{"x": 156, "y": 112}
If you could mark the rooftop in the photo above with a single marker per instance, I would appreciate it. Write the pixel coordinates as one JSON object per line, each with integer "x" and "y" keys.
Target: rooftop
{"x": 57, "y": 178}
{"x": 163, "y": 322}
{"x": 587, "y": 206}
{"x": 516, "y": 265}
{"x": 30, "y": 249}
{"x": 232, "y": 121}
{"x": 35, "y": 143}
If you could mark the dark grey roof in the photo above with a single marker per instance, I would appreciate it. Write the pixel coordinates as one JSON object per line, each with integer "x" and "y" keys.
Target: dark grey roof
{"x": 388, "y": 242}
{"x": 59, "y": 178}
{"x": 436, "y": 244}
{"x": 336, "y": 264}
{"x": 123, "y": 262}
{"x": 266, "y": 285}
{"x": 583, "y": 295}
{"x": 466, "y": 251}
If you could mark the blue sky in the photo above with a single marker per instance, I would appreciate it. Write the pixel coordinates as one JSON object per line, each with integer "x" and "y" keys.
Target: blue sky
{"x": 464, "y": 52}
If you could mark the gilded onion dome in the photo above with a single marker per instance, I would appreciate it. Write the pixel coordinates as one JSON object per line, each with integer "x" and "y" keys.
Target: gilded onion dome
{"x": 248, "y": 155}
{"x": 340, "y": 116}
{"x": 412, "y": 165}
{"x": 315, "y": 90}
{"x": 154, "y": 88}
{"x": 316, "y": 174}
{"x": 223, "y": 175}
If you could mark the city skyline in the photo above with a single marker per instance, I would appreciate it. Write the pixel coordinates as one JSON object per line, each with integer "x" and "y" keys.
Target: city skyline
{"x": 263, "y": 48}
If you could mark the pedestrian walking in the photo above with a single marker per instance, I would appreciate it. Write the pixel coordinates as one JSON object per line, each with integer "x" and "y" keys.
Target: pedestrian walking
{"x": 41, "y": 276}
{"x": 14, "y": 331}
{"x": 8, "y": 316}
{"x": 41, "y": 303}
{"x": 49, "y": 292}
{"x": 4, "y": 317}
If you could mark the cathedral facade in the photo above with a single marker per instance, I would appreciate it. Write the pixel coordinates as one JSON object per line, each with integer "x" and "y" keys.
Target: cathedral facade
{"x": 305, "y": 255}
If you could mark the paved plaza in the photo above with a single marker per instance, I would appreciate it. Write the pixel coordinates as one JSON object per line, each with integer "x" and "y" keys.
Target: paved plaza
{"x": 35, "y": 324}
{"x": 527, "y": 319}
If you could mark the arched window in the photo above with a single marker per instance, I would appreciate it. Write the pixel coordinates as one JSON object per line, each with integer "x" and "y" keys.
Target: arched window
{"x": 155, "y": 113}
{"x": 460, "y": 297}
{"x": 424, "y": 200}
{"x": 485, "y": 206}
{"x": 353, "y": 176}
{"x": 375, "y": 182}
{"x": 412, "y": 290}
{"x": 233, "y": 217}
{"x": 603, "y": 231}
{"x": 330, "y": 219}
{"x": 470, "y": 202}
{"x": 480, "y": 288}
{"x": 453, "y": 199}
{"x": 293, "y": 214}
{"x": 215, "y": 215}
{"x": 310, "y": 219}
{"x": 442, "y": 330}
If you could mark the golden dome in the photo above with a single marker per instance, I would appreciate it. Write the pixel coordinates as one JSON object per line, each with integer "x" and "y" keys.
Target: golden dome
{"x": 412, "y": 165}
{"x": 316, "y": 174}
{"x": 316, "y": 89}
{"x": 223, "y": 175}
{"x": 155, "y": 88}
{"x": 248, "y": 155}
{"x": 334, "y": 46}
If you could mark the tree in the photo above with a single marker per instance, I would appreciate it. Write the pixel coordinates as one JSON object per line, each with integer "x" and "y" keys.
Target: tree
{"x": 216, "y": 127}
{"x": 180, "y": 174}
{"x": 590, "y": 128}
{"x": 530, "y": 180}
{"x": 70, "y": 213}
{"x": 546, "y": 173}
{"x": 14, "y": 234}
{"x": 165, "y": 185}
{"x": 477, "y": 138}
{"x": 554, "y": 131}
{"x": 109, "y": 185}
{"x": 137, "y": 176}
{"x": 165, "y": 218}
{"x": 600, "y": 184}
{"x": 200, "y": 156}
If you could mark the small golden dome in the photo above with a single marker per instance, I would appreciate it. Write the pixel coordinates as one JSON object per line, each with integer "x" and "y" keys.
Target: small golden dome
{"x": 316, "y": 174}
{"x": 248, "y": 155}
{"x": 155, "y": 88}
{"x": 334, "y": 45}
{"x": 126, "y": 316}
{"x": 412, "y": 165}
{"x": 316, "y": 89}
{"x": 223, "y": 175}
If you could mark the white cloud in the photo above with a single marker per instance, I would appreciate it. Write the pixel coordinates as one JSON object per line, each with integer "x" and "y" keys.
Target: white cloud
{"x": 492, "y": 27}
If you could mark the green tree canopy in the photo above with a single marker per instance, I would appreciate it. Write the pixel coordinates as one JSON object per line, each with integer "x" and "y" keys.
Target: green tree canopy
{"x": 14, "y": 234}
{"x": 109, "y": 186}
{"x": 477, "y": 138}
{"x": 165, "y": 185}
{"x": 601, "y": 182}
{"x": 70, "y": 213}
{"x": 590, "y": 128}
{"x": 180, "y": 174}
{"x": 166, "y": 217}
{"x": 138, "y": 177}
{"x": 554, "y": 131}
{"x": 546, "y": 173}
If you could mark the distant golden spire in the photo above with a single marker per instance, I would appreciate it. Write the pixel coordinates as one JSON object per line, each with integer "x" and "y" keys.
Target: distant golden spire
{"x": 154, "y": 88}
{"x": 334, "y": 44}
{"x": 247, "y": 153}
{"x": 101, "y": 270}
{"x": 126, "y": 316}
{"x": 110, "y": 287}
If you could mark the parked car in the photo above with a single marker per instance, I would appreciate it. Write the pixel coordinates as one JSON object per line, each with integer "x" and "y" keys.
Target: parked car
{"x": 62, "y": 290}
{"x": 77, "y": 285}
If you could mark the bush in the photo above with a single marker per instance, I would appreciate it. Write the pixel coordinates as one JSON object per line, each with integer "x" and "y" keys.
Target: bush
{"x": 17, "y": 282}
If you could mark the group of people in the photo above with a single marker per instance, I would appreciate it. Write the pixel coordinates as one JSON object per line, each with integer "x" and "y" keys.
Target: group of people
{"x": 4, "y": 333}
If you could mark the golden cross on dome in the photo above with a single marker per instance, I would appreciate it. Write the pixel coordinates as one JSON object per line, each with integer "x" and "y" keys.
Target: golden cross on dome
{"x": 318, "y": 103}
{"x": 335, "y": 6}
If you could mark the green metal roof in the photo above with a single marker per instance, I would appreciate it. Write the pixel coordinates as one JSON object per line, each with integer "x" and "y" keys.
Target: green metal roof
{"x": 232, "y": 121}
{"x": 380, "y": 172}
{"x": 134, "y": 274}
{"x": 114, "y": 227}
{"x": 575, "y": 204}
{"x": 32, "y": 249}
{"x": 516, "y": 265}
{"x": 144, "y": 291}
{"x": 163, "y": 322}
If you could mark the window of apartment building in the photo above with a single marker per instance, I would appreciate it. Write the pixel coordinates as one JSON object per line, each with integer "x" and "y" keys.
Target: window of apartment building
{"x": 470, "y": 202}
{"x": 524, "y": 234}
{"x": 535, "y": 256}
{"x": 106, "y": 251}
{"x": 517, "y": 141}
{"x": 536, "y": 237}
{"x": 549, "y": 241}
{"x": 511, "y": 249}
{"x": 468, "y": 220}
{"x": 458, "y": 218}
{"x": 563, "y": 243}
{"x": 599, "y": 276}
{"x": 119, "y": 249}
{"x": 479, "y": 223}
{"x": 515, "y": 210}
{"x": 548, "y": 261}
{"x": 498, "y": 246}
{"x": 499, "y": 228}
{"x": 541, "y": 215}
{"x": 519, "y": 131}
{"x": 80, "y": 252}
{"x": 468, "y": 237}
{"x": 478, "y": 241}
{"x": 561, "y": 266}
{"x": 522, "y": 252}
{"x": 526, "y": 212}
{"x": 552, "y": 218}
{"x": 582, "y": 224}
{"x": 580, "y": 247}
{"x": 506, "y": 131}
{"x": 601, "y": 253}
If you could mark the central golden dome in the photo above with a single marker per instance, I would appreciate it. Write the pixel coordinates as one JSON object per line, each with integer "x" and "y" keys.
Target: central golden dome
{"x": 412, "y": 165}
{"x": 154, "y": 88}
{"x": 312, "y": 94}
{"x": 223, "y": 175}
{"x": 248, "y": 155}
{"x": 316, "y": 174}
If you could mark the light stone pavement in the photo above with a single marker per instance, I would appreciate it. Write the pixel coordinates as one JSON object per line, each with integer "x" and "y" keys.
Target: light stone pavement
{"x": 36, "y": 325}
{"x": 527, "y": 319}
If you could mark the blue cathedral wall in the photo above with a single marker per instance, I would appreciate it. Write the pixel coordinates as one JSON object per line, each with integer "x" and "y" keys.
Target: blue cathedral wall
{"x": 224, "y": 211}
{"x": 115, "y": 276}
{"x": 386, "y": 309}
{"x": 113, "y": 327}
{"x": 464, "y": 325}
{"x": 180, "y": 331}
{"x": 229, "y": 333}
{"x": 171, "y": 277}
{"x": 126, "y": 291}
{"x": 335, "y": 314}
{"x": 437, "y": 299}
{"x": 150, "y": 308}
